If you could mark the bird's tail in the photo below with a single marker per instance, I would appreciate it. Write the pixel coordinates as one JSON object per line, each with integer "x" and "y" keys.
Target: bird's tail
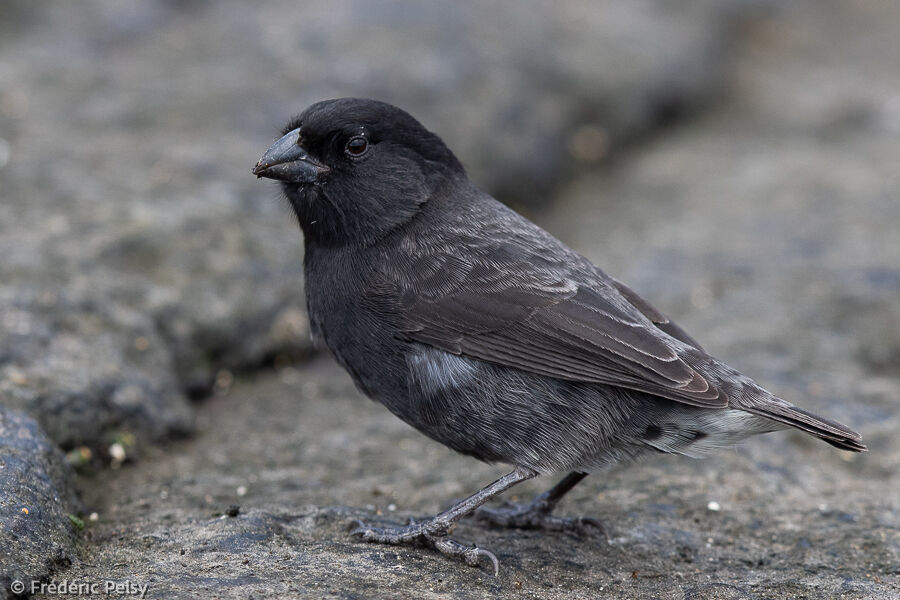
{"x": 834, "y": 433}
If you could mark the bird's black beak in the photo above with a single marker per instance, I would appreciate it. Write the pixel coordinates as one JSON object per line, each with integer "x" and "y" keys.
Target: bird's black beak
{"x": 287, "y": 160}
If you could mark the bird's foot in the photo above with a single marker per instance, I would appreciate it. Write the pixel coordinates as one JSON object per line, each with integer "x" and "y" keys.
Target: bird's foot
{"x": 431, "y": 534}
{"x": 536, "y": 515}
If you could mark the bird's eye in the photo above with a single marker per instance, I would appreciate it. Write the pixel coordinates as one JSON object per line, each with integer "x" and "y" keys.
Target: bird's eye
{"x": 357, "y": 146}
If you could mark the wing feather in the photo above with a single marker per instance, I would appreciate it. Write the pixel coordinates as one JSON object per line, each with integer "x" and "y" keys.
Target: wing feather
{"x": 522, "y": 299}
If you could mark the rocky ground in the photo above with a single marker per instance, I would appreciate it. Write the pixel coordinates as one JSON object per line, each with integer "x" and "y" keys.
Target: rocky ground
{"x": 143, "y": 266}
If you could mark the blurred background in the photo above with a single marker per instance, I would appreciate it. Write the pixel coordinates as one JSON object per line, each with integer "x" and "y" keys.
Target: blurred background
{"x": 734, "y": 161}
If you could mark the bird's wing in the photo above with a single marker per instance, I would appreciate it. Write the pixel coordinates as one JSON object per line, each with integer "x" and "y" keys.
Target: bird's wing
{"x": 519, "y": 298}
{"x": 659, "y": 319}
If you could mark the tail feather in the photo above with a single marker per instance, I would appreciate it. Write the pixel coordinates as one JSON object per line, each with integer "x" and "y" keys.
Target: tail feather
{"x": 832, "y": 432}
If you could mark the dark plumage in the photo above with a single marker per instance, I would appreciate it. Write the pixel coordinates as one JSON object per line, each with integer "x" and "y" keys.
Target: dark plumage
{"x": 485, "y": 332}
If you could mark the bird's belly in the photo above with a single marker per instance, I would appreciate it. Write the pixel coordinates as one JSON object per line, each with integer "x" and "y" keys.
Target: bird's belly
{"x": 500, "y": 414}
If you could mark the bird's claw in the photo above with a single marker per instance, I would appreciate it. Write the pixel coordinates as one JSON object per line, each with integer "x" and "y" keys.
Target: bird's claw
{"x": 427, "y": 533}
{"x": 400, "y": 535}
{"x": 472, "y": 555}
{"x": 535, "y": 517}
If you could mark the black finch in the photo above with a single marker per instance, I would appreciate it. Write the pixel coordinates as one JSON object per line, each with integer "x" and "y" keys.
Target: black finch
{"x": 485, "y": 332}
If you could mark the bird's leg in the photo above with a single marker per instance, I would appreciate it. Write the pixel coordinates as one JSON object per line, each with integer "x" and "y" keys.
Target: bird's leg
{"x": 433, "y": 532}
{"x": 537, "y": 514}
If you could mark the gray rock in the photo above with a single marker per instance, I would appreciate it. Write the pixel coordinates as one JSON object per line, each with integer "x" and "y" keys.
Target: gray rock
{"x": 140, "y": 264}
{"x": 37, "y": 536}
{"x": 304, "y": 455}
{"x": 89, "y": 372}
{"x": 767, "y": 228}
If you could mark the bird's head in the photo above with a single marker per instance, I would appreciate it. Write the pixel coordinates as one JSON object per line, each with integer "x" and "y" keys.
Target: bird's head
{"x": 354, "y": 169}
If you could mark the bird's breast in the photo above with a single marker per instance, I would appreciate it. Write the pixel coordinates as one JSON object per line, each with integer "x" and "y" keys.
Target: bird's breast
{"x": 356, "y": 330}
